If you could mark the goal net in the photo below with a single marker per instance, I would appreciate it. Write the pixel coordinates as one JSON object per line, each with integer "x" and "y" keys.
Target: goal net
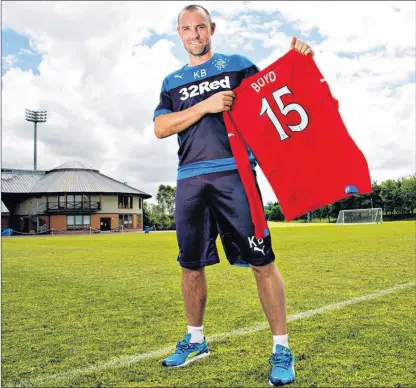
{"x": 360, "y": 216}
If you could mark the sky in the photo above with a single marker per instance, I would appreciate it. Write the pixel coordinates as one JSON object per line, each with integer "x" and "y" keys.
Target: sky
{"x": 97, "y": 69}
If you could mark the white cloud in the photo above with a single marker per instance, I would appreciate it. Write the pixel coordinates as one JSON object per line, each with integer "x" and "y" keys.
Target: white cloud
{"x": 99, "y": 84}
{"x": 24, "y": 51}
{"x": 9, "y": 61}
{"x": 100, "y": 81}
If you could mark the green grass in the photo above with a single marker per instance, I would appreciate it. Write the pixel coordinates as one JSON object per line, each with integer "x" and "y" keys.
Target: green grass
{"x": 72, "y": 302}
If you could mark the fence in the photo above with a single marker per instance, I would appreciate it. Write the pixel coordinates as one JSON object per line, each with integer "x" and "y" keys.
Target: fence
{"x": 9, "y": 232}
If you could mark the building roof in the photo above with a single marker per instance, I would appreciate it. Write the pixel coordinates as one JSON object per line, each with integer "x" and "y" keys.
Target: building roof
{"x": 81, "y": 181}
{"x": 18, "y": 181}
{"x": 4, "y": 208}
{"x": 72, "y": 177}
{"x": 75, "y": 166}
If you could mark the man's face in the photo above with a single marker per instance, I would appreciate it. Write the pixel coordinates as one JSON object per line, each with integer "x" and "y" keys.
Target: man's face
{"x": 195, "y": 32}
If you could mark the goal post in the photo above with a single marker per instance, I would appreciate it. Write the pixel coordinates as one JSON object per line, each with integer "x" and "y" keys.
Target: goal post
{"x": 360, "y": 216}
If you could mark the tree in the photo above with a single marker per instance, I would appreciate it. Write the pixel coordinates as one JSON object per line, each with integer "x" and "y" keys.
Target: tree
{"x": 375, "y": 195}
{"x": 334, "y": 209}
{"x": 275, "y": 213}
{"x": 389, "y": 190}
{"x": 161, "y": 215}
{"x": 146, "y": 214}
{"x": 269, "y": 205}
{"x": 267, "y": 209}
{"x": 166, "y": 199}
{"x": 319, "y": 213}
{"x": 407, "y": 193}
{"x": 327, "y": 212}
{"x": 158, "y": 218}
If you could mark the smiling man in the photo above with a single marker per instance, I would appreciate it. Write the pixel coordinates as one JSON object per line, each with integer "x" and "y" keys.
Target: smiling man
{"x": 210, "y": 197}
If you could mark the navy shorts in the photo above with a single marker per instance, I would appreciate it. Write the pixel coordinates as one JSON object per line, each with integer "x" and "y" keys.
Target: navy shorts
{"x": 215, "y": 204}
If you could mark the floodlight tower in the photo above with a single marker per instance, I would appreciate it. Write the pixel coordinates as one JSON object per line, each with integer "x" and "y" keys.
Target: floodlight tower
{"x": 36, "y": 116}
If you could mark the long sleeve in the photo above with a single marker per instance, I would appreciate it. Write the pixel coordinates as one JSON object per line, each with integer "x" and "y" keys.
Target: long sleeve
{"x": 239, "y": 151}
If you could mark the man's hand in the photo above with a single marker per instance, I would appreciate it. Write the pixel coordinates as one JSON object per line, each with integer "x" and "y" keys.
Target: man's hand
{"x": 301, "y": 47}
{"x": 219, "y": 102}
{"x": 175, "y": 122}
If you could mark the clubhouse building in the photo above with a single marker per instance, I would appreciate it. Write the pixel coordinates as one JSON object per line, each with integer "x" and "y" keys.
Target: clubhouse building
{"x": 70, "y": 197}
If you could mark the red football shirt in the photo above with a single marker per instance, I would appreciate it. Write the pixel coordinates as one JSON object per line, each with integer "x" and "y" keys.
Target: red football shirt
{"x": 289, "y": 119}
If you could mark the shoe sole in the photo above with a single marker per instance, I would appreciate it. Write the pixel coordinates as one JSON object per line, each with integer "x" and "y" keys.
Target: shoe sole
{"x": 189, "y": 361}
{"x": 280, "y": 383}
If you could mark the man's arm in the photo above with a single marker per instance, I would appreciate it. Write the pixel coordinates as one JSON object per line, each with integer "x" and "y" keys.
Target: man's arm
{"x": 171, "y": 123}
{"x": 175, "y": 122}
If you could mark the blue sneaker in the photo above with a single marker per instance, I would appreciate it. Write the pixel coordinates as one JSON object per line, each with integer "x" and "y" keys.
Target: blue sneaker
{"x": 283, "y": 370}
{"x": 186, "y": 352}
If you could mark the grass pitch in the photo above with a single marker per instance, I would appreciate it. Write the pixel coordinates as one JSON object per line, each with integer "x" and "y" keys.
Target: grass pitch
{"x": 74, "y": 309}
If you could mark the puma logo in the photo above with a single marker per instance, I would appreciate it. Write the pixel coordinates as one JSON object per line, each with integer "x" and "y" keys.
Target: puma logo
{"x": 260, "y": 250}
{"x": 178, "y": 76}
{"x": 230, "y": 134}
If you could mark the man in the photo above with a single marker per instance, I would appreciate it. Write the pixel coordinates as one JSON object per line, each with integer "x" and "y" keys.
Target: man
{"x": 210, "y": 198}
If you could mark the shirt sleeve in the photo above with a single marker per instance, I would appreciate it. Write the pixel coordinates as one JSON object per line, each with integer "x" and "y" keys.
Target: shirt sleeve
{"x": 319, "y": 79}
{"x": 165, "y": 102}
{"x": 238, "y": 148}
{"x": 248, "y": 67}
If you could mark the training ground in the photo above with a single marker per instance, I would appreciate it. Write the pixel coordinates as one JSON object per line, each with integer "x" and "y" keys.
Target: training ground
{"x": 103, "y": 310}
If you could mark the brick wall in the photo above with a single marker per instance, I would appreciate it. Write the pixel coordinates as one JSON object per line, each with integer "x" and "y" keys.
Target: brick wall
{"x": 95, "y": 220}
{"x": 58, "y": 222}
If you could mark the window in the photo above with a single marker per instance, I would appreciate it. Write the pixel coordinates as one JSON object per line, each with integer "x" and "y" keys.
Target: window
{"x": 78, "y": 222}
{"x": 74, "y": 201}
{"x": 70, "y": 221}
{"x": 78, "y": 201}
{"x": 61, "y": 201}
{"x": 70, "y": 201}
{"x": 140, "y": 202}
{"x": 125, "y": 220}
{"x": 125, "y": 202}
{"x": 86, "y": 201}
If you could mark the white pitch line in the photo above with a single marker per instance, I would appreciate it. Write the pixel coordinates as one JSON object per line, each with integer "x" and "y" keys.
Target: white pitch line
{"x": 127, "y": 360}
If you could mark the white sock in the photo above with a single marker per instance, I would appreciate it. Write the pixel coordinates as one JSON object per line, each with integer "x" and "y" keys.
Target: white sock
{"x": 197, "y": 334}
{"x": 280, "y": 340}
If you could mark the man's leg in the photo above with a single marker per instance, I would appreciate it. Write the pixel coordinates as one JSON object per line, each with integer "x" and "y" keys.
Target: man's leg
{"x": 232, "y": 211}
{"x": 194, "y": 292}
{"x": 271, "y": 291}
{"x": 194, "y": 345}
{"x": 196, "y": 234}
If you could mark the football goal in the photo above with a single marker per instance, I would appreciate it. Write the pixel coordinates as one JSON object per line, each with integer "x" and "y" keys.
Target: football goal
{"x": 360, "y": 216}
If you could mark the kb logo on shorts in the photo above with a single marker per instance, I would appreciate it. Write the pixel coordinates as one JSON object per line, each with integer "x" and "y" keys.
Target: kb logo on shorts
{"x": 256, "y": 247}
{"x": 206, "y": 86}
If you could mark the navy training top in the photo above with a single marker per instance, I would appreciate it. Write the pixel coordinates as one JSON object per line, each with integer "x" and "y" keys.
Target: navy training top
{"x": 204, "y": 146}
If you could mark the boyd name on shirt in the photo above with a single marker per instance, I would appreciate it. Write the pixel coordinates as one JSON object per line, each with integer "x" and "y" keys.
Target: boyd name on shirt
{"x": 264, "y": 80}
